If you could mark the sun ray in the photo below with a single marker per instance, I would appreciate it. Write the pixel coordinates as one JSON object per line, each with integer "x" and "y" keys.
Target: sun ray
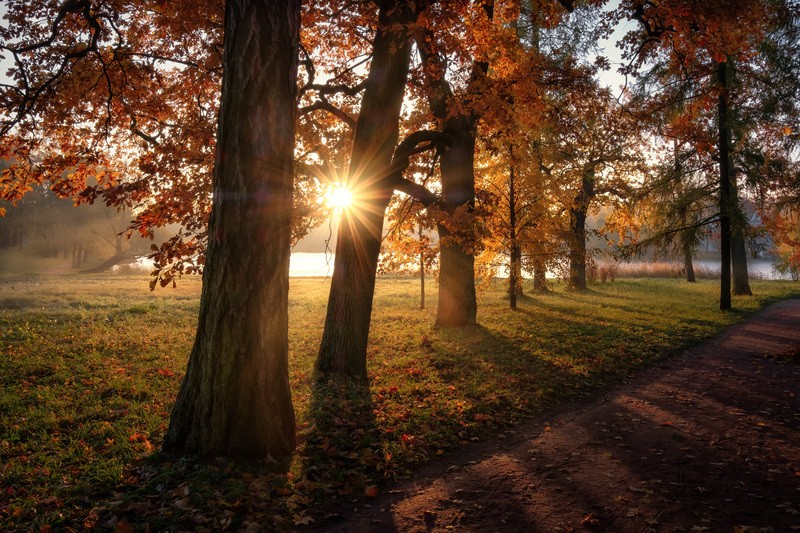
{"x": 339, "y": 197}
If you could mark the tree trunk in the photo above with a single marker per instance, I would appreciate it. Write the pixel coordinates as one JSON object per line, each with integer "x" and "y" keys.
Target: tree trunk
{"x": 577, "y": 249}
{"x": 234, "y": 399}
{"x": 724, "y": 189}
{"x": 688, "y": 264}
{"x": 741, "y": 283}
{"x": 343, "y": 350}
{"x": 515, "y": 276}
{"x": 515, "y": 253}
{"x": 107, "y": 264}
{"x": 577, "y": 236}
{"x": 421, "y": 272}
{"x": 457, "y": 305}
{"x": 539, "y": 276}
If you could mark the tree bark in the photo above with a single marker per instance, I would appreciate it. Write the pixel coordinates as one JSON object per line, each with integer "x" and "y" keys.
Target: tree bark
{"x": 234, "y": 399}
{"x": 457, "y": 306}
{"x": 421, "y": 272}
{"x": 577, "y": 249}
{"x": 688, "y": 264}
{"x": 515, "y": 253}
{"x": 343, "y": 350}
{"x": 577, "y": 234}
{"x": 539, "y": 276}
{"x": 724, "y": 188}
{"x": 741, "y": 283}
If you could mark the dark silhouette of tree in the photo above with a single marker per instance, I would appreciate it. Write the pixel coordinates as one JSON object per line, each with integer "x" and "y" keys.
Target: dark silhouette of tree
{"x": 235, "y": 398}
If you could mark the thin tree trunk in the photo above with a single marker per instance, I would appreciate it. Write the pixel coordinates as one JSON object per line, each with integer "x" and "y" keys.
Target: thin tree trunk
{"x": 515, "y": 253}
{"x": 741, "y": 283}
{"x": 688, "y": 264}
{"x": 343, "y": 350}
{"x": 578, "y": 213}
{"x": 724, "y": 189}
{"x": 421, "y": 272}
{"x": 457, "y": 304}
{"x": 234, "y": 399}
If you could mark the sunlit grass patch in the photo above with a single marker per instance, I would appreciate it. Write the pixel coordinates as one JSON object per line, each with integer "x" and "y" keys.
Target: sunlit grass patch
{"x": 89, "y": 368}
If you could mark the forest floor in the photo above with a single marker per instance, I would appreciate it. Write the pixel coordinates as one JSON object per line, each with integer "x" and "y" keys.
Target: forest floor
{"x": 706, "y": 441}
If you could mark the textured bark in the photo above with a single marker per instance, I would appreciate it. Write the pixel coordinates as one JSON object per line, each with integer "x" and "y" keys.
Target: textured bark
{"x": 343, "y": 350}
{"x": 457, "y": 304}
{"x": 577, "y": 249}
{"x": 577, "y": 231}
{"x": 235, "y": 399}
{"x": 724, "y": 189}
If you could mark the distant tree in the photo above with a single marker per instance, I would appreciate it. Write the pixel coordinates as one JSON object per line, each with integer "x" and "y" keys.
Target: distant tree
{"x": 235, "y": 398}
{"x": 595, "y": 155}
{"x": 671, "y": 211}
{"x": 95, "y": 237}
{"x": 706, "y": 44}
{"x": 410, "y": 244}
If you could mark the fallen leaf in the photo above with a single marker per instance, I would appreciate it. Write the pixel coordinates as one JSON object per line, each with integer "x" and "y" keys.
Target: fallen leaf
{"x": 303, "y": 519}
{"x": 591, "y": 520}
{"x": 371, "y": 491}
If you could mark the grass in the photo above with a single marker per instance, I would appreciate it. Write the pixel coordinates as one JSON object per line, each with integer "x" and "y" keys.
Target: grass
{"x": 90, "y": 367}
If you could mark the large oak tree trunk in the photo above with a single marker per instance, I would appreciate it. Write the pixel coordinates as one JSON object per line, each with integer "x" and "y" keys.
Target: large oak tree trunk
{"x": 725, "y": 197}
{"x": 235, "y": 399}
{"x": 457, "y": 300}
{"x": 343, "y": 350}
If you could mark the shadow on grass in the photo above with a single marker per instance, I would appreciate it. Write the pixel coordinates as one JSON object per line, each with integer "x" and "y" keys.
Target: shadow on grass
{"x": 504, "y": 375}
{"x": 340, "y": 449}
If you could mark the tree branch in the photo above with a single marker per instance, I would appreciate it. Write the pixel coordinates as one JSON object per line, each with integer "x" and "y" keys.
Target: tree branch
{"x": 324, "y": 105}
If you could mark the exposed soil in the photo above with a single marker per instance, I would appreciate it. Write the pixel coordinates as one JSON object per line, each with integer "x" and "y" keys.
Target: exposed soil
{"x": 708, "y": 441}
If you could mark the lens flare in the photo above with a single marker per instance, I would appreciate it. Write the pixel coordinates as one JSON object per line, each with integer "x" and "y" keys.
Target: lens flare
{"x": 340, "y": 197}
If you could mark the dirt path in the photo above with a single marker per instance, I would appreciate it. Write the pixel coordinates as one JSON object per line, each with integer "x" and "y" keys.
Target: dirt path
{"x": 709, "y": 441}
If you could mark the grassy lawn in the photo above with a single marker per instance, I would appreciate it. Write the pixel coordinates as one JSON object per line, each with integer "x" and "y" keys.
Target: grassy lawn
{"x": 90, "y": 367}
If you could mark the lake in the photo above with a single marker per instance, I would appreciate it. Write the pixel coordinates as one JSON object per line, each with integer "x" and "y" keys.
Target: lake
{"x": 306, "y": 264}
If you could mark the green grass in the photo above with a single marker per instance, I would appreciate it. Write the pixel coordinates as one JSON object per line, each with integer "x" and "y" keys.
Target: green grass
{"x": 90, "y": 367}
